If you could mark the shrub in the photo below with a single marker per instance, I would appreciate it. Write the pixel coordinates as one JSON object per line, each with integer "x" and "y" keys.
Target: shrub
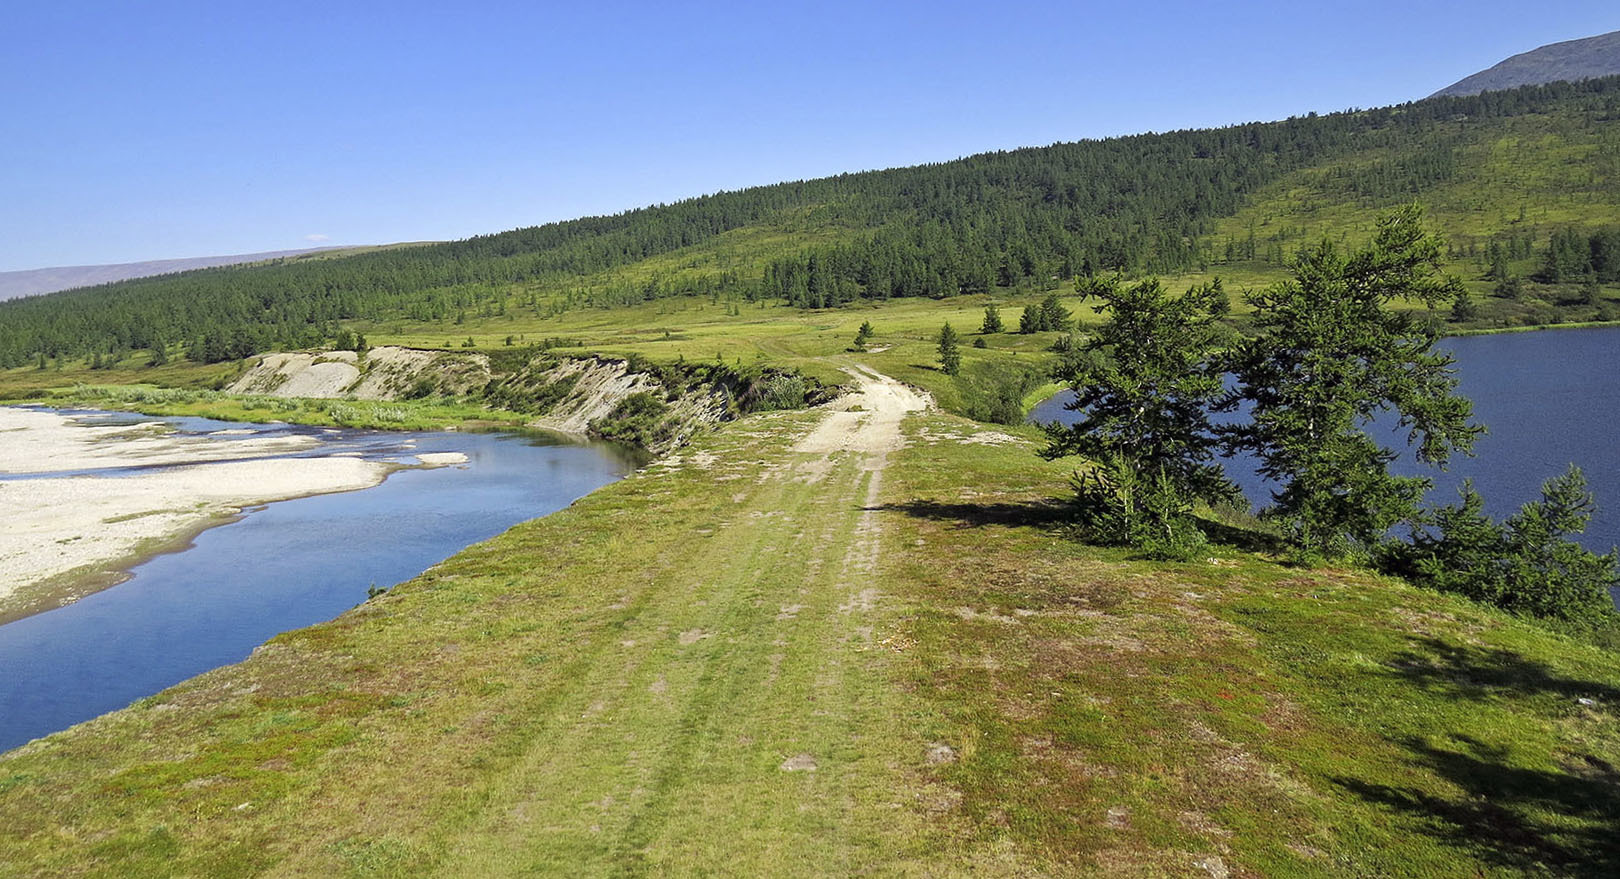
{"x": 424, "y": 386}
{"x": 343, "y": 414}
{"x": 780, "y": 391}
{"x": 1120, "y": 505}
{"x": 638, "y": 420}
{"x": 993, "y": 390}
{"x": 1526, "y": 564}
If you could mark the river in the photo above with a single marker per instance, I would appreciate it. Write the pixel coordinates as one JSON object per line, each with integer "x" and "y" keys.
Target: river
{"x": 1548, "y": 398}
{"x": 281, "y": 566}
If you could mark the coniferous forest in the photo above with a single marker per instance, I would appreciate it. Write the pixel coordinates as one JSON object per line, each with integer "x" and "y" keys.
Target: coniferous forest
{"x": 1134, "y": 205}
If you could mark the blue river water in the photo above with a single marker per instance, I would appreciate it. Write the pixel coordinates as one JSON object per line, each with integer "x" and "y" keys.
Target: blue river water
{"x": 1549, "y": 399}
{"x": 278, "y": 567}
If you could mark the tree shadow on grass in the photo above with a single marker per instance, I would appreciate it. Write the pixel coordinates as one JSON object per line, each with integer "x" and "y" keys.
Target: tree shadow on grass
{"x": 1044, "y": 513}
{"x": 1509, "y": 811}
{"x": 1062, "y": 513}
{"x": 1464, "y": 671}
{"x": 1246, "y": 539}
{"x": 1512, "y": 816}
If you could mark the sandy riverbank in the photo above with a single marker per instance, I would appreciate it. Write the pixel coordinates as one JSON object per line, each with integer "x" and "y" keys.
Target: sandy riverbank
{"x": 39, "y": 441}
{"x": 65, "y": 536}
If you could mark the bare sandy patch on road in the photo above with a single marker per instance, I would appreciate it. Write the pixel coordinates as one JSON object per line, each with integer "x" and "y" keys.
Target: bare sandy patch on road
{"x": 866, "y": 421}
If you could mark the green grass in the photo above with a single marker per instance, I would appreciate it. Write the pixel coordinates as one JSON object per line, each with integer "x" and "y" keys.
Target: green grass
{"x": 615, "y": 689}
{"x": 1145, "y": 716}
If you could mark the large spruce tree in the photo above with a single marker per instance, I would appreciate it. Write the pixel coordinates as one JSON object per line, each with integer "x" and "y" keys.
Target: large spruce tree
{"x": 1330, "y": 357}
{"x": 1144, "y": 384}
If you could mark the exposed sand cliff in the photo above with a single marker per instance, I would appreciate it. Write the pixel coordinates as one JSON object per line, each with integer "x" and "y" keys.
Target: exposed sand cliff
{"x": 383, "y": 373}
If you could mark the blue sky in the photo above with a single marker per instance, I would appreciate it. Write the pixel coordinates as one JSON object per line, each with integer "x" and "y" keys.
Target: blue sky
{"x": 163, "y": 129}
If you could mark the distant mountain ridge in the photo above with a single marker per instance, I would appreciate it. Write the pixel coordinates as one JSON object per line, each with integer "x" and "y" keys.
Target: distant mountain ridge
{"x": 1569, "y": 61}
{"x": 30, "y": 282}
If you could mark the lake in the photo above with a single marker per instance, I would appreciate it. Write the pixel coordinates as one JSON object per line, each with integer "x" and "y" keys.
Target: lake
{"x": 1549, "y": 398}
{"x": 282, "y": 566}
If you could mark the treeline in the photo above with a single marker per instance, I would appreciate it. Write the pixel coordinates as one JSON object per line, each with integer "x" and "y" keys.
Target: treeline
{"x": 1129, "y": 204}
{"x": 1575, "y": 256}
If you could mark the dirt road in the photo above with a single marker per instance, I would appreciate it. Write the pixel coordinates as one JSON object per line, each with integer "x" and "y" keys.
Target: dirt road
{"x": 746, "y": 695}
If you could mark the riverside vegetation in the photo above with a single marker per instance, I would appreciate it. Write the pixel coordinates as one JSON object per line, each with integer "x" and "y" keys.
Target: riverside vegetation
{"x": 865, "y": 640}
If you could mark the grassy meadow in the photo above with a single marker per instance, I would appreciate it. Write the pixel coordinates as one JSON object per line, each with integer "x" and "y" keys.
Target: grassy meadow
{"x": 750, "y": 660}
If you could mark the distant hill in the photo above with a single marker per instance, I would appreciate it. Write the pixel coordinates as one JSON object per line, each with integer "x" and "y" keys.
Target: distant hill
{"x": 1236, "y": 200}
{"x": 32, "y": 281}
{"x": 1569, "y": 61}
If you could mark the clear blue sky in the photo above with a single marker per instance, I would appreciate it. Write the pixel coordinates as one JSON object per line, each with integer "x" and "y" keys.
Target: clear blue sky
{"x": 132, "y": 131}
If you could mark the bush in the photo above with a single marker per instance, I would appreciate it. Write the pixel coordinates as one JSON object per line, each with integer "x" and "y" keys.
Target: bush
{"x": 344, "y": 414}
{"x": 423, "y": 387}
{"x": 1121, "y": 506}
{"x": 994, "y": 390}
{"x": 780, "y": 391}
{"x": 638, "y": 420}
{"x": 1526, "y": 564}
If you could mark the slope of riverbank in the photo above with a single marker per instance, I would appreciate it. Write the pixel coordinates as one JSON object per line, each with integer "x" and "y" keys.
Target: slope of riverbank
{"x": 868, "y": 652}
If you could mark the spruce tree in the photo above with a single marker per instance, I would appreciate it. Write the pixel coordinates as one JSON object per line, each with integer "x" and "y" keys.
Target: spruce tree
{"x": 1144, "y": 384}
{"x": 863, "y": 335}
{"x": 950, "y": 356}
{"x": 1053, "y": 315}
{"x": 1329, "y": 358}
{"x": 1030, "y": 320}
{"x": 992, "y": 320}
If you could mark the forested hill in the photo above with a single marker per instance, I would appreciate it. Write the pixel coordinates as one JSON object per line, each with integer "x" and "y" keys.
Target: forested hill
{"x": 1570, "y": 60}
{"x": 1144, "y": 203}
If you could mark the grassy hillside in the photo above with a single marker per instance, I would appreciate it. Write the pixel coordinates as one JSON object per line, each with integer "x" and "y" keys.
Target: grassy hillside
{"x": 689, "y": 329}
{"x": 1510, "y": 184}
{"x": 1509, "y": 166}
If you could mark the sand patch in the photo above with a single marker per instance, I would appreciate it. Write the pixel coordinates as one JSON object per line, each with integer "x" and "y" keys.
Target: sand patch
{"x": 865, "y": 421}
{"x": 384, "y": 373}
{"x": 38, "y": 441}
{"x": 64, "y": 534}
